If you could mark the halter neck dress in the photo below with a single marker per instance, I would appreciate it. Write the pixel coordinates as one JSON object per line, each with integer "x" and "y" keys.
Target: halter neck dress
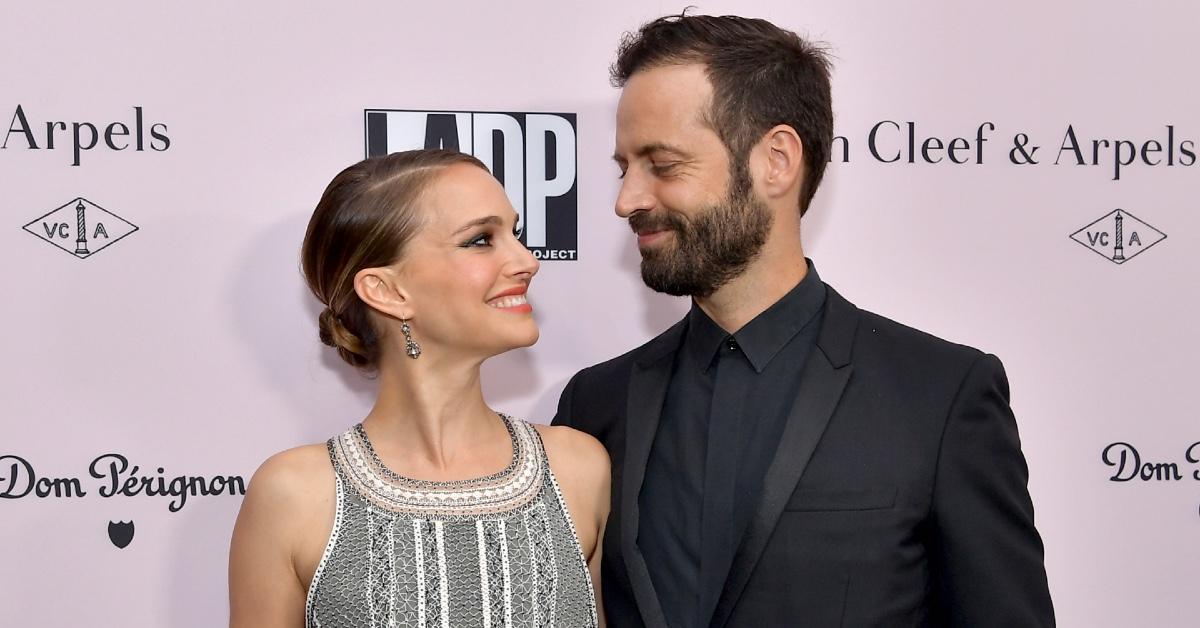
{"x": 491, "y": 552}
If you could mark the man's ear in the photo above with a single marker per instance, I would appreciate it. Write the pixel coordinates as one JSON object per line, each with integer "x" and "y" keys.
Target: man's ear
{"x": 380, "y": 289}
{"x": 782, "y": 162}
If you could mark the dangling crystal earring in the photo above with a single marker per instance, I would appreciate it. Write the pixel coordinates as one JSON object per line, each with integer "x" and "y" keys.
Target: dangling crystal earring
{"x": 410, "y": 346}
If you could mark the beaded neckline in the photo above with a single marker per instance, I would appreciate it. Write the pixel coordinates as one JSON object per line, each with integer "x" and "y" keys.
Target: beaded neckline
{"x": 378, "y": 465}
{"x": 507, "y": 490}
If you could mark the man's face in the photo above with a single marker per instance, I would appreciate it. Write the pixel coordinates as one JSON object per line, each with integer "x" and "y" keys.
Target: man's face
{"x": 698, "y": 221}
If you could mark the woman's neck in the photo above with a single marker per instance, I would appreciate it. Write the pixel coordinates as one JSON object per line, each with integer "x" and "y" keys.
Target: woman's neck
{"x": 431, "y": 415}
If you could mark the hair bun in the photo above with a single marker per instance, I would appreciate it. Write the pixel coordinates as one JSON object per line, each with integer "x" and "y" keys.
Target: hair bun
{"x": 334, "y": 334}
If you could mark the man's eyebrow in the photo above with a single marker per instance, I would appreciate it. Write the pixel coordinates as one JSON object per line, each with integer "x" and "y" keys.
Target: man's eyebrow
{"x": 656, "y": 147}
{"x": 479, "y": 222}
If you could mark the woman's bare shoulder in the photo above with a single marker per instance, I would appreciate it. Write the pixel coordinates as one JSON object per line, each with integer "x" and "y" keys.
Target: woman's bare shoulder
{"x": 277, "y": 540}
{"x": 298, "y": 462}
{"x": 292, "y": 479}
{"x": 580, "y": 453}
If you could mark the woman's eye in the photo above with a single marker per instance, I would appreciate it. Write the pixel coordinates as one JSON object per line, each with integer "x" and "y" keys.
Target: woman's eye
{"x": 483, "y": 239}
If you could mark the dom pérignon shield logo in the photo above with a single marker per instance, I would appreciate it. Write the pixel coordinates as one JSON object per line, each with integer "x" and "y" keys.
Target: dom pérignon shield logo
{"x": 120, "y": 533}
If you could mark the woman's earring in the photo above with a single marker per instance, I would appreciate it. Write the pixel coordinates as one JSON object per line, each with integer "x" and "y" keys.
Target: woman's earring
{"x": 410, "y": 346}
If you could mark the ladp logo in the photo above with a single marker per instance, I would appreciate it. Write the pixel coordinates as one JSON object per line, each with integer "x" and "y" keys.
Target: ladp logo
{"x": 81, "y": 228}
{"x": 1118, "y": 236}
{"x": 533, "y": 155}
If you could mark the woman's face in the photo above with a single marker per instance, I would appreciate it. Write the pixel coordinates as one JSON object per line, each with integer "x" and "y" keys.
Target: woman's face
{"x": 465, "y": 270}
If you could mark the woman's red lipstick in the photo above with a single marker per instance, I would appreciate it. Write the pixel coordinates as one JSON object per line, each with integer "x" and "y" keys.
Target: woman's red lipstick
{"x": 512, "y": 300}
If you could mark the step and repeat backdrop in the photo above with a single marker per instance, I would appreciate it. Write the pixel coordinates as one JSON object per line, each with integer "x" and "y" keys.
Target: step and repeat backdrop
{"x": 1021, "y": 179}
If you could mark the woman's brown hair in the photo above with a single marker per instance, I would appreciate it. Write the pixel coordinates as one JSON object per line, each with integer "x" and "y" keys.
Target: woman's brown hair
{"x": 366, "y": 216}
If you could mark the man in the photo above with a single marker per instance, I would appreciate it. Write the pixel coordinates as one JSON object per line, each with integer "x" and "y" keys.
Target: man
{"x": 780, "y": 457}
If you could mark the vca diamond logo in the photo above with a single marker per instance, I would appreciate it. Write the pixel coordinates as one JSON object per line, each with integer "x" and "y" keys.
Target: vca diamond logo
{"x": 81, "y": 228}
{"x": 1118, "y": 236}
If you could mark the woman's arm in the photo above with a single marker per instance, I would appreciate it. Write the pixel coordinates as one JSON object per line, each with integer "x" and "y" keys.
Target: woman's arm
{"x": 581, "y": 465}
{"x": 277, "y": 517}
{"x": 595, "y": 558}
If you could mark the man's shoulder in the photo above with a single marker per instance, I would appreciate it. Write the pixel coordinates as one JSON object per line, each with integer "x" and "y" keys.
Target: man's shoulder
{"x": 912, "y": 368}
{"x": 895, "y": 346}
{"x": 886, "y": 331}
{"x": 615, "y": 368}
{"x": 866, "y": 335}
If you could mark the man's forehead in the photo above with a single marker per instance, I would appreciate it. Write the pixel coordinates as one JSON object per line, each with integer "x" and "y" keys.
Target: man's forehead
{"x": 661, "y": 109}
{"x": 678, "y": 90}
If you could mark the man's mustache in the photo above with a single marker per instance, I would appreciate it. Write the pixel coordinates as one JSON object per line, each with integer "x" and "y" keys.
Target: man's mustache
{"x": 641, "y": 222}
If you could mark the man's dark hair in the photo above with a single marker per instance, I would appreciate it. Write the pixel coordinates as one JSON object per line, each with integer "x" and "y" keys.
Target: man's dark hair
{"x": 761, "y": 75}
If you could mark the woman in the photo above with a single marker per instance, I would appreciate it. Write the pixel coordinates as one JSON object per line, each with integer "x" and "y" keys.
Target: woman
{"x": 435, "y": 510}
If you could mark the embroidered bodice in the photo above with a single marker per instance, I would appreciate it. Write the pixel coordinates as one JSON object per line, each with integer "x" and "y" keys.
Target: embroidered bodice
{"x": 496, "y": 551}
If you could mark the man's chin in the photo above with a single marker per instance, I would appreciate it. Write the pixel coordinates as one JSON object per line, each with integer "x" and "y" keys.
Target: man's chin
{"x": 665, "y": 281}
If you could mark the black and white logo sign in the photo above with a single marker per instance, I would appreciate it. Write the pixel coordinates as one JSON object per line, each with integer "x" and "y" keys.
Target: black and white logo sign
{"x": 1118, "y": 236}
{"x": 532, "y": 154}
{"x": 81, "y": 228}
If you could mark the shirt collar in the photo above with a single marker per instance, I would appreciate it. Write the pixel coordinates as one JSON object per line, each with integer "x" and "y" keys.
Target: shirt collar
{"x": 764, "y": 336}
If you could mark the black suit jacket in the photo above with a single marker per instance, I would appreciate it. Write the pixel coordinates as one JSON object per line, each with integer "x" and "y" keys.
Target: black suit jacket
{"x": 897, "y": 495}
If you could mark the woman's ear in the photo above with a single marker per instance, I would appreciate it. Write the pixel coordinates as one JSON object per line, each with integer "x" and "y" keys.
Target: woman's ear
{"x": 380, "y": 289}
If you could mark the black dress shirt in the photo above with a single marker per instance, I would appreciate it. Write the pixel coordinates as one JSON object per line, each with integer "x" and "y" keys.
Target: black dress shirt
{"x": 724, "y": 412}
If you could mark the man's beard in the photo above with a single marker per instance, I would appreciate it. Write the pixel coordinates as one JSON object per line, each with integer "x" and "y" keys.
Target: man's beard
{"x": 710, "y": 248}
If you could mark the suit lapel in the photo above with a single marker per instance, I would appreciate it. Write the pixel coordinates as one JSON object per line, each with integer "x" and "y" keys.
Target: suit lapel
{"x": 824, "y": 378}
{"x": 650, "y": 375}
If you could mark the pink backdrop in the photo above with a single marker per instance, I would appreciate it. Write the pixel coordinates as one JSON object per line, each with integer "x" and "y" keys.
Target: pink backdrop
{"x": 190, "y": 343}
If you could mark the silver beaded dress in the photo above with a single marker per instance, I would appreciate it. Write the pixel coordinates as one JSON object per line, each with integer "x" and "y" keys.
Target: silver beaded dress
{"x": 492, "y": 552}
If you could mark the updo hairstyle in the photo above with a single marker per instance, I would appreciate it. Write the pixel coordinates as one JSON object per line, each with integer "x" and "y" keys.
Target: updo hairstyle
{"x": 366, "y": 216}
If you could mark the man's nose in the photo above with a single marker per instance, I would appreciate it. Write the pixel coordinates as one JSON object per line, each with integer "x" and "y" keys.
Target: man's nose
{"x": 635, "y": 195}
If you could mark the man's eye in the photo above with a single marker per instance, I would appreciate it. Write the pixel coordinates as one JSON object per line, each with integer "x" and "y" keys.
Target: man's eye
{"x": 660, "y": 169}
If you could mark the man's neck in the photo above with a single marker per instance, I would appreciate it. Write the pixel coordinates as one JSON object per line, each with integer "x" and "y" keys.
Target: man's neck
{"x": 766, "y": 280}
